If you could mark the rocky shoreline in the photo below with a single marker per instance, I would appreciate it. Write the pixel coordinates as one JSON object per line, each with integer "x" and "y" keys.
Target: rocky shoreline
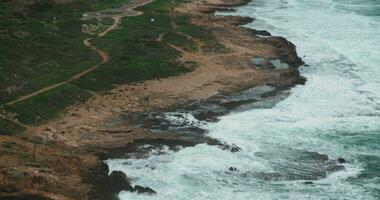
{"x": 113, "y": 124}
{"x": 209, "y": 109}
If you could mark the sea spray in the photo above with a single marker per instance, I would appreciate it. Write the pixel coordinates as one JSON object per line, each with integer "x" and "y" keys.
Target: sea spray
{"x": 336, "y": 114}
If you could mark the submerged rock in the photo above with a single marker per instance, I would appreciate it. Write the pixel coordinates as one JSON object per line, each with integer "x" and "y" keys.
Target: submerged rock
{"x": 224, "y": 146}
{"x": 341, "y": 160}
{"x": 144, "y": 190}
{"x": 295, "y": 164}
{"x": 235, "y": 148}
{"x": 233, "y": 169}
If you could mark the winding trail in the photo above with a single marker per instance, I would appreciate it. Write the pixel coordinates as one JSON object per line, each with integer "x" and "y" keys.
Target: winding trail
{"x": 116, "y": 22}
{"x": 104, "y": 56}
{"x": 128, "y": 11}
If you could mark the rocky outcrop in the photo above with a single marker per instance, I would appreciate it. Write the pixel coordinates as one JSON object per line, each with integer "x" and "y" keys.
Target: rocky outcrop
{"x": 109, "y": 186}
{"x": 143, "y": 190}
{"x": 118, "y": 181}
{"x": 341, "y": 160}
{"x": 225, "y": 146}
{"x": 233, "y": 169}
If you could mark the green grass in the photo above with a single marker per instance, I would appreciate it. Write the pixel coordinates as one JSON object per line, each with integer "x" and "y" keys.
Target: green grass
{"x": 48, "y": 105}
{"x": 50, "y": 53}
{"x": 135, "y": 55}
{"x": 180, "y": 40}
{"x": 182, "y": 23}
{"x": 36, "y": 50}
{"x": 8, "y": 127}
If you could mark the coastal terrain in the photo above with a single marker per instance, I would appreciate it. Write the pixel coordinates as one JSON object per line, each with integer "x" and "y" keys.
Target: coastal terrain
{"x": 113, "y": 64}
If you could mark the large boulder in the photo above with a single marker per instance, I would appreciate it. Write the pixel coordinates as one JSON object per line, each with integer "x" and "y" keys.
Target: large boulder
{"x": 119, "y": 181}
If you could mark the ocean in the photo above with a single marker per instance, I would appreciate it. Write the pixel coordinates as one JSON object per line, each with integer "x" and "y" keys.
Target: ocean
{"x": 284, "y": 147}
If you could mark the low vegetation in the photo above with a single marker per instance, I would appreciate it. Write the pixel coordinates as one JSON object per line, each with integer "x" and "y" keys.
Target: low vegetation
{"x": 45, "y": 45}
{"x": 8, "y": 127}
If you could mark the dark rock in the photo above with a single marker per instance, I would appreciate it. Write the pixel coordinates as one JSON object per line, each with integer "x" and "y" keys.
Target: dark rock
{"x": 308, "y": 182}
{"x": 144, "y": 190}
{"x": 104, "y": 167}
{"x": 119, "y": 181}
{"x": 233, "y": 169}
{"x": 300, "y": 165}
{"x": 260, "y": 32}
{"x": 235, "y": 148}
{"x": 224, "y": 146}
{"x": 341, "y": 160}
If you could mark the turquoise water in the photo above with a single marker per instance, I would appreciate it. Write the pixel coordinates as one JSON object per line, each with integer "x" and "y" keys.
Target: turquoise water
{"x": 336, "y": 113}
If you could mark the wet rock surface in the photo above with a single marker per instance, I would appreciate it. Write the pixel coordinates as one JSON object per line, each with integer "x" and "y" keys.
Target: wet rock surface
{"x": 294, "y": 164}
{"x": 233, "y": 169}
{"x": 144, "y": 190}
{"x": 189, "y": 118}
{"x": 181, "y": 126}
{"x": 185, "y": 122}
{"x": 233, "y": 148}
{"x": 341, "y": 160}
{"x": 119, "y": 181}
{"x": 109, "y": 186}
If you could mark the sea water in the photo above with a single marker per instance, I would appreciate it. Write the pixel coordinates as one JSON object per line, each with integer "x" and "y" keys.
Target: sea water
{"x": 336, "y": 113}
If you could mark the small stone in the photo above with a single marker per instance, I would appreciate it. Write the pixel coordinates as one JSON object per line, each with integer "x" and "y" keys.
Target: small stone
{"x": 235, "y": 148}
{"x": 233, "y": 169}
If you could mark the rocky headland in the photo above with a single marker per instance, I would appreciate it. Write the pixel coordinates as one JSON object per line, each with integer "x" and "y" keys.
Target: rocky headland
{"x": 249, "y": 66}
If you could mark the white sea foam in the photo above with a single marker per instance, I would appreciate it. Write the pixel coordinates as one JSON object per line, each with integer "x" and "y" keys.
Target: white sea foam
{"x": 336, "y": 113}
{"x": 183, "y": 119}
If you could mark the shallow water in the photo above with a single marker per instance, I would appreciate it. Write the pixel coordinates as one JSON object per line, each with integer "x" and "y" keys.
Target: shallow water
{"x": 336, "y": 113}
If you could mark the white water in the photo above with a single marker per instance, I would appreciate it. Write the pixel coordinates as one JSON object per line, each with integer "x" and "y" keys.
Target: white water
{"x": 337, "y": 113}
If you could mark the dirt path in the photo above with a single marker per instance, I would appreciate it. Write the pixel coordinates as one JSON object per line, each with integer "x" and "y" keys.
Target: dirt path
{"x": 126, "y": 10}
{"x": 159, "y": 38}
{"x": 116, "y": 23}
{"x": 14, "y": 121}
{"x": 88, "y": 44}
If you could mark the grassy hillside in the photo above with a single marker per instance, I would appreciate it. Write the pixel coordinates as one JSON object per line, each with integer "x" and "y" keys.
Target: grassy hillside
{"x": 42, "y": 44}
{"x": 45, "y": 46}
